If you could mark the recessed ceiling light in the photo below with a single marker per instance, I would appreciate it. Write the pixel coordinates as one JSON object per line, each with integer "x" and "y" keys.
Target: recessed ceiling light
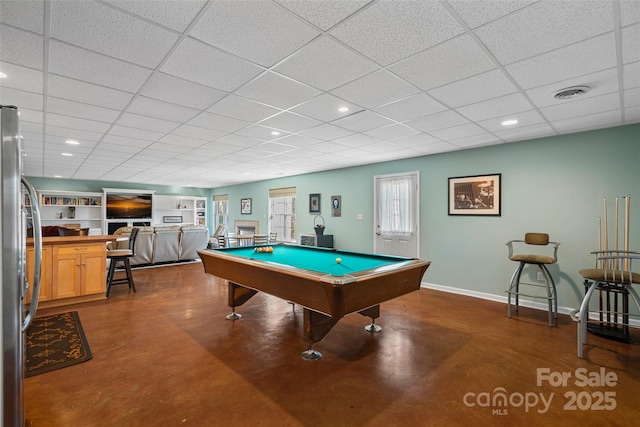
{"x": 67, "y": 154}
{"x": 57, "y": 176}
{"x": 2, "y": 75}
{"x": 343, "y": 109}
{"x": 72, "y": 142}
{"x": 509, "y": 122}
{"x": 570, "y": 92}
{"x": 275, "y": 133}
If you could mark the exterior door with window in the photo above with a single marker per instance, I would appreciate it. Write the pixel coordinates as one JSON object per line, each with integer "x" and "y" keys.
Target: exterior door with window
{"x": 396, "y": 213}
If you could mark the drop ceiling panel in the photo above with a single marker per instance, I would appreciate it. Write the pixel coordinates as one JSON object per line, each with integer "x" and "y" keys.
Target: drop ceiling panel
{"x": 217, "y": 122}
{"x": 161, "y": 110}
{"x": 375, "y": 89}
{"x": 325, "y": 64}
{"x": 80, "y": 110}
{"x": 630, "y": 43}
{"x": 290, "y": 122}
{"x": 362, "y": 121}
{"x": 172, "y": 14}
{"x": 87, "y": 93}
{"x": 545, "y": 26}
{"x": 452, "y": 60}
{"x": 21, "y": 48}
{"x": 277, "y": 91}
{"x": 23, "y": 14}
{"x": 326, "y": 108}
{"x": 631, "y": 74}
{"x": 326, "y": 132}
{"x": 324, "y": 14}
{"x": 477, "y": 13}
{"x": 182, "y": 92}
{"x": 474, "y": 89}
{"x": 437, "y": 121}
{"x": 389, "y": 31}
{"x": 594, "y": 121}
{"x": 148, "y": 123}
{"x": 582, "y": 107}
{"x": 22, "y": 78}
{"x": 411, "y": 108}
{"x": 102, "y": 29}
{"x": 273, "y": 33}
{"x": 24, "y": 99}
{"x": 200, "y": 63}
{"x": 497, "y": 107}
{"x": 242, "y": 108}
{"x": 91, "y": 67}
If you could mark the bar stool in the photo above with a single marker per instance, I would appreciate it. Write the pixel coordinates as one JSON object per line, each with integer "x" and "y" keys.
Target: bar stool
{"x": 539, "y": 260}
{"x": 122, "y": 255}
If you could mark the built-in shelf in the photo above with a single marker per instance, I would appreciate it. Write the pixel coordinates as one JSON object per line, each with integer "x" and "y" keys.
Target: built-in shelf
{"x": 73, "y": 209}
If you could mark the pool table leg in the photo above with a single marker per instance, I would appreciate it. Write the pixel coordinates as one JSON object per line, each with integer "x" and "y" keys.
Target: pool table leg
{"x": 238, "y": 295}
{"x": 373, "y": 313}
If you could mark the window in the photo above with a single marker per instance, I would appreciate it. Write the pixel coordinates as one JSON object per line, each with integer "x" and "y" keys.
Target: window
{"x": 221, "y": 210}
{"x": 282, "y": 213}
{"x": 395, "y": 205}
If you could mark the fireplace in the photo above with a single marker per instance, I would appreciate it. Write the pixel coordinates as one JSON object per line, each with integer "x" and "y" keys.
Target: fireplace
{"x": 246, "y": 227}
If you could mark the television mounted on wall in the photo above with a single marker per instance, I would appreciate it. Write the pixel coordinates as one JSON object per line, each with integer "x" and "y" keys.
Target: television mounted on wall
{"x": 129, "y": 205}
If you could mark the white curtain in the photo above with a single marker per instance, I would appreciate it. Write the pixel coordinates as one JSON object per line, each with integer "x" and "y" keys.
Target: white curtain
{"x": 395, "y": 204}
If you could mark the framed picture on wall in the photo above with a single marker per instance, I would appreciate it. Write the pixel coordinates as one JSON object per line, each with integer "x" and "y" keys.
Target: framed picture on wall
{"x": 336, "y": 205}
{"x": 245, "y": 206}
{"x": 475, "y": 195}
{"x": 314, "y": 203}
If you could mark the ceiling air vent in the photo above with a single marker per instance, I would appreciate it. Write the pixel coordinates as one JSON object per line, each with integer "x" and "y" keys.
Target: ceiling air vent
{"x": 571, "y": 92}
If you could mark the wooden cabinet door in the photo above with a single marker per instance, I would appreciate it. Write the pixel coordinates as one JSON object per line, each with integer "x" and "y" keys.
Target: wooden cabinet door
{"x": 66, "y": 272}
{"x": 45, "y": 274}
{"x": 94, "y": 266}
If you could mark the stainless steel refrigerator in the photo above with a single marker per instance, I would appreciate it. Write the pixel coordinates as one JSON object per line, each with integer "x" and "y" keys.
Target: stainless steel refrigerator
{"x": 15, "y": 214}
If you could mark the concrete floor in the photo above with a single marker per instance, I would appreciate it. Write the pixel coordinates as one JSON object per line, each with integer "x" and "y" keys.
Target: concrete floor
{"x": 167, "y": 356}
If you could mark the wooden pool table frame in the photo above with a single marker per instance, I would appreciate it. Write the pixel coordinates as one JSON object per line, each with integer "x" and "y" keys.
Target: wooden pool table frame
{"x": 324, "y": 298}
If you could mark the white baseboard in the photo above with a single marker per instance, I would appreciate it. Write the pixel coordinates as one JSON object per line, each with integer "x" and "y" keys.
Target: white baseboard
{"x": 635, "y": 323}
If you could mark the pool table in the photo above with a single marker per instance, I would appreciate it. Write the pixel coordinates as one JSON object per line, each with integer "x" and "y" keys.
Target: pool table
{"x": 327, "y": 283}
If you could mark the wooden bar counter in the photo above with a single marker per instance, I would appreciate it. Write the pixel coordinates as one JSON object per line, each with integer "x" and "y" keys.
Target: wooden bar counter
{"x": 74, "y": 269}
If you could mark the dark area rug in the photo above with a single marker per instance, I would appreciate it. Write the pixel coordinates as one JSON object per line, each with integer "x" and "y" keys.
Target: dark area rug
{"x": 55, "y": 342}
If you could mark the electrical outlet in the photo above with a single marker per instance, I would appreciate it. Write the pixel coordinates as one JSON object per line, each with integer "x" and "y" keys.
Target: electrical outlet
{"x": 540, "y": 277}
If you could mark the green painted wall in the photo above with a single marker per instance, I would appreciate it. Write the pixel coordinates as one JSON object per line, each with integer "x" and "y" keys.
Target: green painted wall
{"x": 554, "y": 185}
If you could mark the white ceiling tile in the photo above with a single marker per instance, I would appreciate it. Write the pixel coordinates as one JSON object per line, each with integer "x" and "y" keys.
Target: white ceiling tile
{"x": 123, "y": 149}
{"x": 632, "y": 97}
{"x": 598, "y": 83}
{"x": 178, "y": 91}
{"x": 389, "y": 31}
{"x": 278, "y": 91}
{"x": 122, "y": 141}
{"x": 609, "y": 118}
{"x": 456, "y": 132}
{"x": 34, "y": 116}
{"x": 362, "y": 121}
{"x": 77, "y": 134}
{"x": 325, "y": 108}
{"x": 437, "y": 121}
{"x": 528, "y": 132}
{"x": 273, "y": 36}
{"x": 497, "y": 107}
{"x": 21, "y": 48}
{"x": 103, "y": 29}
{"x": 631, "y": 73}
{"x": 173, "y": 14}
{"x": 31, "y": 127}
{"x": 545, "y": 26}
{"x": 299, "y": 141}
{"x": 87, "y": 93}
{"x": 326, "y": 132}
{"x": 217, "y": 122}
{"x": 161, "y": 110}
{"x": 476, "y": 140}
{"x": 91, "y": 67}
{"x": 20, "y": 98}
{"x": 80, "y": 110}
{"x": 375, "y": 89}
{"x": 629, "y": 12}
{"x": 392, "y": 132}
{"x": 587, "y": 57}
{"x": 417, "y": 140}
{"x": 23, "y": 14}
{"x": 263, "y": 133}
{"x": 525, "y": 119}
{"x": 236, "y": 141}
{"x": 325, "y": 64}
{"x": 474, "y": 89}
{"x": 197, "y": 132}
{"x": 242, "y": 108}
{"x": 582, "y": 107}
{"x": 76, "y": 123}
{"x": 198, "y": 62}
{"x": 476, "y": 13}
{"x": 324, "y": 14}
{"x": 357, "y": 140}
{"x": 182, "y": 141}
{"x": 130, "y": 132}
{"x": 290, "y": 122}
{"x": 452, "y": 60}
{"x": 411, "y": 108}
{"x": 147, "y": 123}
{"x": 21, "y": 78}
{"x": 632, "y": 115}
{"x": 630, "y": 43}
